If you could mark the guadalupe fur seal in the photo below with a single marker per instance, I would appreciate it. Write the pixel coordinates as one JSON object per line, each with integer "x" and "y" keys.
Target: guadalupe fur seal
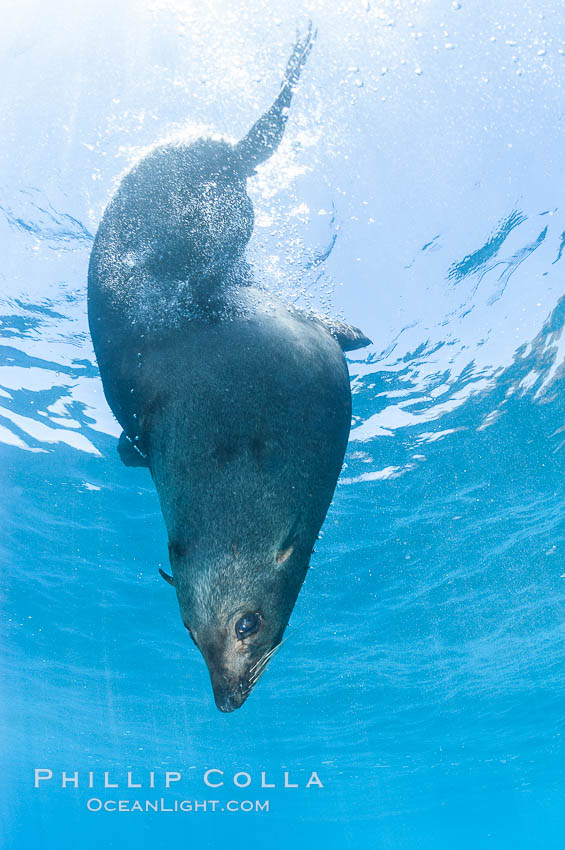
{"x": 238, "y": 403}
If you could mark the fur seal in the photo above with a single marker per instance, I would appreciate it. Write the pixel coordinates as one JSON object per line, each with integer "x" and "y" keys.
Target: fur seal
{"x": 238, "y": 403}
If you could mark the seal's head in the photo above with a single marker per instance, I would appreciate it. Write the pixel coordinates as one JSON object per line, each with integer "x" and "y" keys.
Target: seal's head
{"x": 235, "y": 618}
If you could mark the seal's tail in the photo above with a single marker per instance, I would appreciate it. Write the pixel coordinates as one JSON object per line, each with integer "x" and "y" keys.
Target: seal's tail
{"x": 264, "y": 137}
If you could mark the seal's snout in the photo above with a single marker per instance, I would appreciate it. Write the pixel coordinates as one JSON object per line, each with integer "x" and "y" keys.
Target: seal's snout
{"x": 230, "y": 702}
{"x": 234, "y": 654}
{"x": 228, "y": 696}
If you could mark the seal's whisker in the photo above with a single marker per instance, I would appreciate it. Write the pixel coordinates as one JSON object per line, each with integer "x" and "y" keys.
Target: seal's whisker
{"x": 256, "y": 679}
{"x": 264, "y": 657}
{"x": 257, "y": 663}
{"x": 258, "y": 673}
{"x": 259, "y": 667}
{"x": 263, "y": 669}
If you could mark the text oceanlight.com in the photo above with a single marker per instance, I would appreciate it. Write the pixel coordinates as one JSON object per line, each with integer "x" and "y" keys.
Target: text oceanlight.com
{"x": 163, "y": 805}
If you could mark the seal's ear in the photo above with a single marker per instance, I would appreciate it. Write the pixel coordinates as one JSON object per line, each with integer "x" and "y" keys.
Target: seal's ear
{"x": 129, "y": 452}
{"x": 169, "y": 579}
{"x": 284, "y": 554}
{"x": 349, "y": 337}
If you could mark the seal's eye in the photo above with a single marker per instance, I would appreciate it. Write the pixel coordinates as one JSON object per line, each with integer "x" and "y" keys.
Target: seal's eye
{"x": 247, "y": 625}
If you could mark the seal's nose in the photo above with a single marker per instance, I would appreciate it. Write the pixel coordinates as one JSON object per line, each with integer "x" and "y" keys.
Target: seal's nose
{"x": 228, "y": 694}
{"x": 229, "y": 669}
{"x": 228, "y": 703}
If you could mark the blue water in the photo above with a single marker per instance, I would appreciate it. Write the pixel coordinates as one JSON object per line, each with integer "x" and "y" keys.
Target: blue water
{"x": 418, "y": 194}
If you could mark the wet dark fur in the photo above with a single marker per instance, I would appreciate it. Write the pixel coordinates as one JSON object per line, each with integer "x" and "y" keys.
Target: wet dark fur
{"x": 239, "y": 405}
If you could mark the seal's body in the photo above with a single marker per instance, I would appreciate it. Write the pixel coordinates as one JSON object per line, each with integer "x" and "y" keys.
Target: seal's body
{"x": 239, "y": 405}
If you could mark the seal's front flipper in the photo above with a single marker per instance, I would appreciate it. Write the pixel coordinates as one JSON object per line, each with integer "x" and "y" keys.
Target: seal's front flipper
{"x": 129, "y": 453}
{"x": 349, "y": 337}
{"x": 266, "y": 134}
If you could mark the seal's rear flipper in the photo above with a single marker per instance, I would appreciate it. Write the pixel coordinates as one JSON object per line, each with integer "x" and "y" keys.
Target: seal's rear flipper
{"x": 129, "y": 453}
{"x": 349, "y": 338}
{"x": 265, "y": 135}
